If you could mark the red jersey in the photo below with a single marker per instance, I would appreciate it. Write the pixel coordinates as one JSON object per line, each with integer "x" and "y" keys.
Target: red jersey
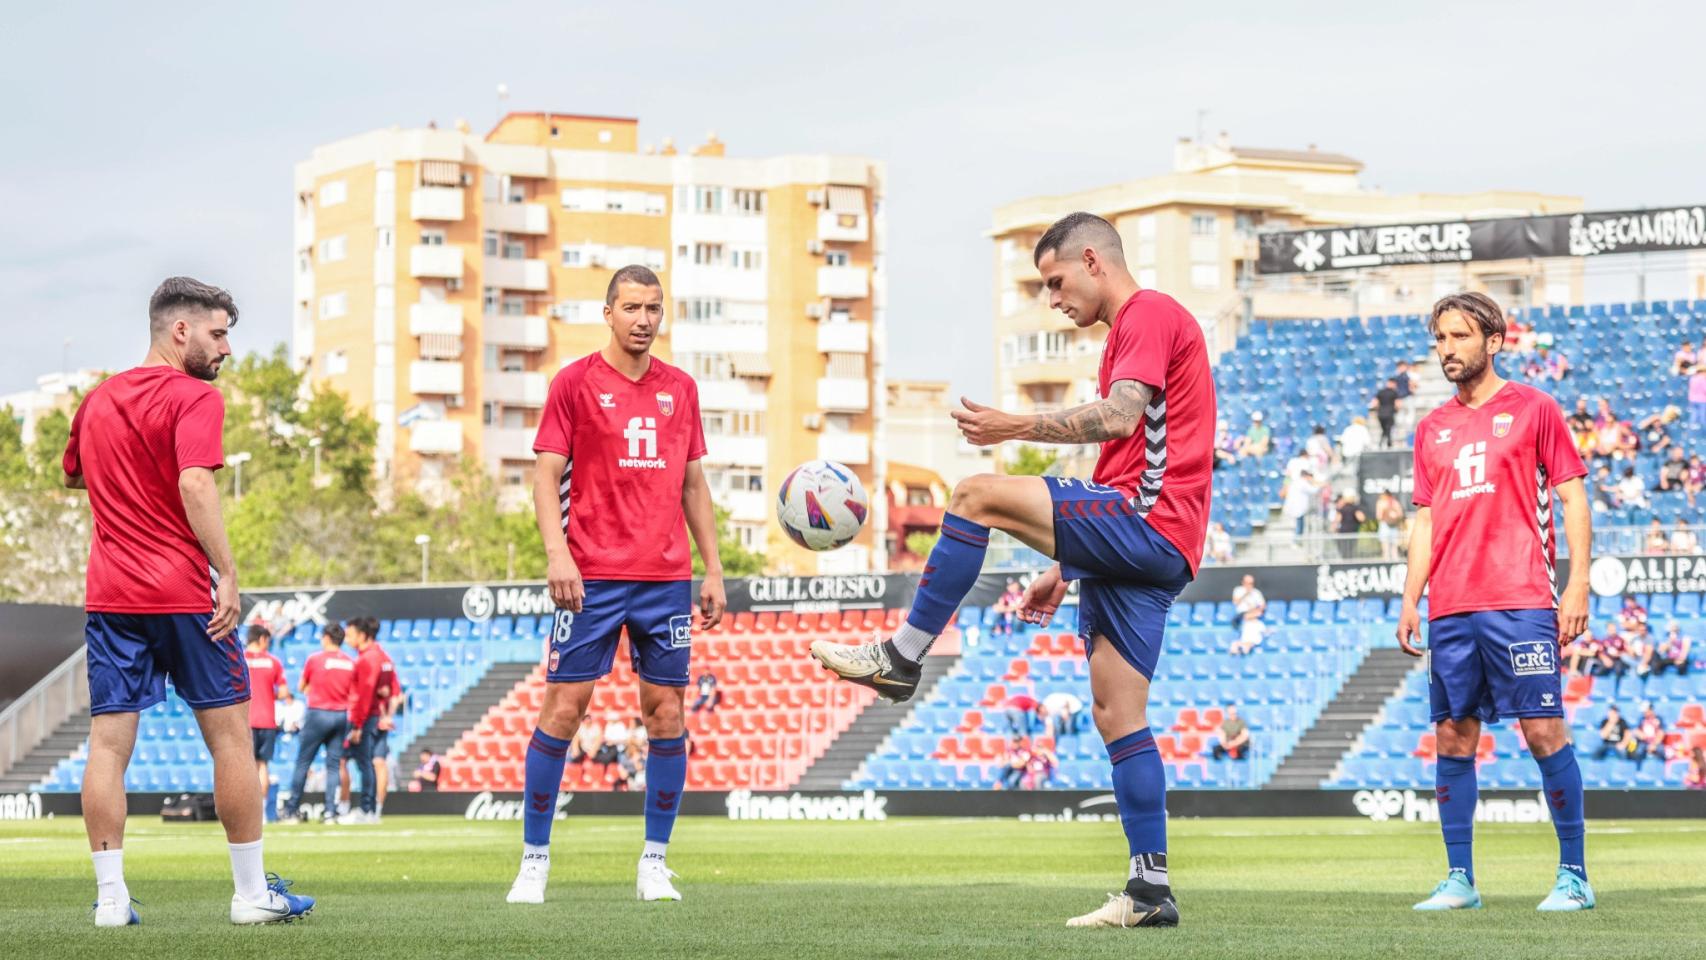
{"x": 1166, "y": 466}
{"x": 375, "y": 682}
{"x": 266, "y": 676}
{"x": 628, "y": 444}
{"x": 131, "y": 437}
{"x": 1487, "y": 475}
{"x": 329, "y": 676}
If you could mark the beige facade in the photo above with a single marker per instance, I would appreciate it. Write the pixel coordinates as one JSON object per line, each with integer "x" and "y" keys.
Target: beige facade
{"x": 1191, "y": 233}
{"x": 920, "y": 431}
{"x": 443, "y": 278}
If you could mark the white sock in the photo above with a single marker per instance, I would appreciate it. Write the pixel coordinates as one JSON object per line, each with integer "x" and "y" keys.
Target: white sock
{"x": 536, "y": 851}
{"x": 1150, "y": 868}
{"x": 912, "y": 643}
{"x": 653, "y": 850}
{"x": 247, "y": 871}
{"x": 109, "y": 876}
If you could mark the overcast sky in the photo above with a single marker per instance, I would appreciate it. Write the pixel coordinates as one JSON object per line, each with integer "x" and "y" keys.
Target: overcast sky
{"x": 143, "y": 140}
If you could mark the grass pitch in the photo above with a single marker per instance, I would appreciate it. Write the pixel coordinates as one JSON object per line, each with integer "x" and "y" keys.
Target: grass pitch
{"x": 434, "y": 887}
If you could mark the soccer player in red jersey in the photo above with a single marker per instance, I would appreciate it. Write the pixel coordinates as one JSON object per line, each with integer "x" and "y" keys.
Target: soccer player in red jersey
{"x": 328, "y": 678}
{"x": 615, "y": 534}
{"x": 370, "y": 702}
{"x": 266, "y": 685}
{"x": 1132, "y": 537}
{"x": 162, "y": 589}
{"x": 1483, "y": 546}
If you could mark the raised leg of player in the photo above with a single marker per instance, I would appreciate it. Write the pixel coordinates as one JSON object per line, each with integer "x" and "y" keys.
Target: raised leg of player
{"x": 1561, "y": 777}
{"x": 559, "y": 719}
{"x": 112, "y": 738}
{"x": 666, "y": 776}
{"x": 1458, "y": 793}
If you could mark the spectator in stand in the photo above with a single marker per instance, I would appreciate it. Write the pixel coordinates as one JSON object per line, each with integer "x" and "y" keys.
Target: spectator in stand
{"x": 1684, "y": 359}
{"x": 1608, "y": 660}
{"x": 1385, "y": 407}
{"x": 1657, "y": 542}
{"x": 1300, "y": 498}
{"x": 1672, "y": 652}
{"x": 1401, "y": 381}
{"x": 1355, "y": 439}
{"x": 1007, "y": 609}
{"x": 588, "y": 741}
{"x": 1350, "y": 521}
{"x": 1638, "y": 652}
{"x": 1632, "y": 612}
{"x": 1608, "y": 438}
{"x": 709, "y": 696}
{"x": 1557, "y": 365}
{"x": 1587, "y": 441}
{"x": 1649, "y": 736}
{"x": 1628, "y": 443}
{"x": 1218, "y": 545}
{"x": 1018, "y": 759}
{"x": 1695, "y": 480}
{"x": 1257, "y": 441}
{"x": 1580, "y": 419}
{"x": 1065, "y": 712}
{"x": 615, "y": 744}
{"x": 1039, "y": 770}
{"x": 1683, "y": 540}
{"x": 1586, "y": 652}
{"x": 1250, "y": 606}
{"x": 1697, "y": 395}
{"x": 1655, "y": 430}
{"x": 1605, "y": 491}
{"x": 1319, "y": 449}
{"x": 1603, "y": 415}
{"x": 1613, "y": 733}
{"x": 1023, "y": 713}
{"x": 1225, "y": 445}
{"x": 1232, "y": 739}
{"x": 1673, "y": 473}
{"x": 1389, "y": 514}
{"x": 1695, "y": 778}
{"x": 1576, "y": 650}
{"x": 427, "y": 774}
{"x": 1631, "y": 492}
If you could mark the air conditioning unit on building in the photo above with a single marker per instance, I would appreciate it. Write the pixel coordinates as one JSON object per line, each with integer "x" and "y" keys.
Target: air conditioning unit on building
{"x": 453, "y": 284}
{"x": 814, "y": 246}
{"x": 467, "y": 179}
{"x": 813, "y": 421}
{"x": 814, "y": 310}
{"x": 814, "y": 197}
{"x": 454, "y": 401}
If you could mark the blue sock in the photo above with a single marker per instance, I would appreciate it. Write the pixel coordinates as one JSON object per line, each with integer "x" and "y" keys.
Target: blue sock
{"x": 949, "y": 573}
{"x": 1458, "y": 793}
{"x": 544, "y": 777}
{"x": 666, "y": 774}
{"x": 1561, "y": 777}
{"x": 1140, "y": 792}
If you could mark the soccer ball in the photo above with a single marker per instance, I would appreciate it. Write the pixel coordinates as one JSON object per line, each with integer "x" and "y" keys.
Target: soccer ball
{"x": 822, "y": 505}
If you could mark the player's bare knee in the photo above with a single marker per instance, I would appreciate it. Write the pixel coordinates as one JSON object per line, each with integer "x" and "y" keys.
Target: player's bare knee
{"x": 662, "y": 718}
{"x": 972, "y": 497}
{"x": 1544, "y": 735}
{"x": 1113, "y": 723}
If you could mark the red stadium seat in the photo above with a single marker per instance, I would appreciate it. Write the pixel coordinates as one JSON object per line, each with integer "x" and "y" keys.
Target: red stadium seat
{"x": 1693, "y": 715}
{"x": 1210, "y": 720}
{"x": 973, "y": 721}
{"x": 1187, "y": 719}
{"x": 1019, "y": 669}
{"x": 1427, "y": 747}
{"x": 994, "y": 696}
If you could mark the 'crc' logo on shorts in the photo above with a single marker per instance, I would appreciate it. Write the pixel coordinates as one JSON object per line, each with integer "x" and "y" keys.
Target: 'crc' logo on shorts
{"x": 681, "y": 632}
{"x": 1532, "y": 658}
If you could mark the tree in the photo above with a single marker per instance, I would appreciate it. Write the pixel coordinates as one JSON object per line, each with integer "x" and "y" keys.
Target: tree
{"x": 737, "y": 560}
{"x": 920, "y": 543}
{"x": 44, "y": 530}
{"x": 1029, "y": 461}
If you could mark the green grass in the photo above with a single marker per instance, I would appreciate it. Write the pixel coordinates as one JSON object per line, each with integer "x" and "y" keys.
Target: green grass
{"x": 427, "y": 887}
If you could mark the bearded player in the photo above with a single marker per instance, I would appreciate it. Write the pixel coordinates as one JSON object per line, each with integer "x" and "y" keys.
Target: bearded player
{"x": 1133, "y": 538}
{"x": 1487, "y": 462}
{"x": 616, "y": 548}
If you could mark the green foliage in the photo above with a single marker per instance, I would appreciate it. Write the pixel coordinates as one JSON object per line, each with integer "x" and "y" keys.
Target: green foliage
{"x": 738, "y": 561}
{"x": 1029, "y": 461}
{"x": 921, "y": 543}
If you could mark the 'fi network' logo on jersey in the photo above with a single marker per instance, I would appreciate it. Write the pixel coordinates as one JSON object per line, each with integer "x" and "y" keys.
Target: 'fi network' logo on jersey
{"x": 642, "y": 437}
{"x": 1471, "y": 466}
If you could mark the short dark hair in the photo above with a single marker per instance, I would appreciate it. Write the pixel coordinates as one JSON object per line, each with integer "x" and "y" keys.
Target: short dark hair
{"x": 1481, "y": 310}
{"x": 180, "y": 293}
{"x": 258, "y": 633}
{"x": 632, "y": 273}
{"x": 335, "y": 632}
{"x": 367, "y": 625}
{"x": 1076, "y": 229}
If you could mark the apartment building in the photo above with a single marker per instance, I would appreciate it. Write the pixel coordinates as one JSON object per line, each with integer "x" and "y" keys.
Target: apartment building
{"x": 443, "y": 277}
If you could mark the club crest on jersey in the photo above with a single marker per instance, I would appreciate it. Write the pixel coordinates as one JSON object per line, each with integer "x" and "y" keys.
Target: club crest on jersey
{"x": 1502, "y": 424}
{"x": 666, "y": 404}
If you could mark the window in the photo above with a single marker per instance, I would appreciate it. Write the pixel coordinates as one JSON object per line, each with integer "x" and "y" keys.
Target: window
{"x": 386, "y": 237}
{"x": 747, "y": 259}
{"x": 656, "y": 204}
{"x": 333, "y": 249}
{"x": 514, "y": 249}
{"x": 836, "y": 258}
{"x": 490, "y": 359}
{"x": 742, "y": 478}
{"x": 337, "y": 363}
{"x": 334, "y": 305}
{"x": 515, "y": 419}
{"x": 706, "y": 366}
{"x": 489, "y": 243}
{"x": 708, "y": 254}
{"x": 333, "y": 192}
{"x": 432, "y": 238}
{"x": 489, "y": 300}
{"x": 1205, "y": 276}
{"x": 846, "y": 366}
{"x": 581, "y": 199}
{"x": 1244, "y": 222}
{"x": 1203, "y": 225}
{"x": 919, "y": 497}
{"x": 515, "y": 191}
{"x": 574, "y": 256}
{"x": 749, "y": 202}
{"x": 708, "y": 200}
{"x": 699, "y": 310}
{"x": 486, "y": 413}
{"x": 656, "y": 259}
{"x": 514, "y": 307}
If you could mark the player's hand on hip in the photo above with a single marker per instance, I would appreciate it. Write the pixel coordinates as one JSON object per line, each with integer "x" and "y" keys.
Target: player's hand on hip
{"x": 1410, "y": 630}
{"x": 712, "y": 602}
{"x": 226, "y": 608}
{"x": 564, "y": 580}
{"x": 1043, "y": 597}
{"x": 984, "y": 426}
{"x": 354, "y": 736}
{"x": 1573, "y": 612}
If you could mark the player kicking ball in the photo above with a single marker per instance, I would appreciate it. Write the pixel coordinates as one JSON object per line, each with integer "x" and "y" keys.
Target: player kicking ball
{"x": 616, "y": 547}
{"x": 1483, "y": 546}
{"x": 1133, "y": 538}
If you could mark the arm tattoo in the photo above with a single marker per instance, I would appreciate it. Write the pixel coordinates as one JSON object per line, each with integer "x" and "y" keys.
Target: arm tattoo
{"x": 1120, "y": 414}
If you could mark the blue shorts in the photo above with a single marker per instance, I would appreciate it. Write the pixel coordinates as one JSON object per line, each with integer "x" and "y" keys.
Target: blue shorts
{"x": 1128, "y": 574}
{"x": 1494, "y": 663}
{"x": 382, "y": 743}
{"x": 659, "y": 618}
{"x": 265, "y": 742}
{"x": 132, "y": 655}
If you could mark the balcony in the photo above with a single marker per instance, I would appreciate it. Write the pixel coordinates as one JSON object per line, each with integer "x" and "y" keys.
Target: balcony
{"x": 851, "y": 448}
{"x": 435, "y": 260}
{"x": 687, "y": 336}
{"x": 528, "y": 218}
{"x": 845, "y": 227}
{"x": 516, "y": 389}
{"x": 435, "y": 378}
{"x": 748, "y": 506}
{"x": 438, "y": 437}
{"x": 732, "y": 394}
{"x": 843, "y": 283}
{"x": 737, "y": 451}
{"x": 305, "y": 231}
{"x": 516, "y": 274}
{"x": 426, "y": 318}
{"x": 843, "y": 394}
{"x": 529, "y": 333}
{"x": 844, "y": 338}
{"x": 698, "y": 280}
{"x": 508, "y": 443}
{"x": 435, "y": 203}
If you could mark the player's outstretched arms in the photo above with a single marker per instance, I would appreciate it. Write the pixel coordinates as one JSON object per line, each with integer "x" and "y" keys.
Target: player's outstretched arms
{"x": 1421, "y": 553}
{"x": 561, "y": 575}
{"x": 1042, "y": 597}
{"x": 1578, "y": 532}
{"x": 201, "y": 507}
{"x": 1115, "y": 416}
